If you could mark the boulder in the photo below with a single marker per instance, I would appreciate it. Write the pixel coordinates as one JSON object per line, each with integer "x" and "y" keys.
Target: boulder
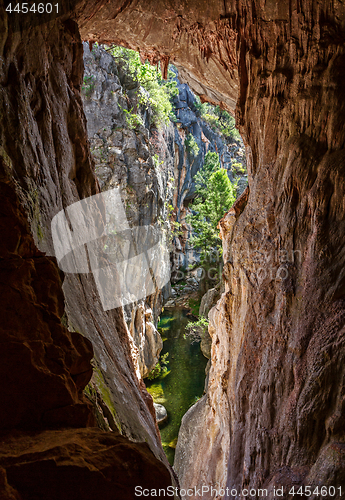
{"x": 161, "y": 413}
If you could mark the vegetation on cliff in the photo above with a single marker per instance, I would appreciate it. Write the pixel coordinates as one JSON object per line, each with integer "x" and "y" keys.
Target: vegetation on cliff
{"x": 154, "y": 91}
{"x": 218, "y": 119}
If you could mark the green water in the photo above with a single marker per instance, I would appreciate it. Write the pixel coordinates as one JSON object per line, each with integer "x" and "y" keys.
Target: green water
{"x": 183, "y": 385}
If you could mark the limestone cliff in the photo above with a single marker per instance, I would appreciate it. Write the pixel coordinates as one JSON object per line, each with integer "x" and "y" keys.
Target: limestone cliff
{"x": 126, "y": 157}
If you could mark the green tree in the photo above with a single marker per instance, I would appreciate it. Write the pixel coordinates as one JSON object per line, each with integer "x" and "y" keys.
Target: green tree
{"x": 215, "y": 194}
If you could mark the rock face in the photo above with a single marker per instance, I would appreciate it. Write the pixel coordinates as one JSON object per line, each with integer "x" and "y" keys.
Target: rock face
{"x": 45, "y": 165}
{"x": 188, "y": 162}
{"x": 48, "y": 448}
{"x": 124, "y": 158}
{"x": 275, "y": 395}
{"x": 77, "y": 464}
{"x": 44, "y": 366}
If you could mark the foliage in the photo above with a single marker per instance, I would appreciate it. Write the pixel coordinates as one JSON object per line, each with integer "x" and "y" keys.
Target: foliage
{"x": 238, "y": 168}
{"x": 156, "y": 391}
{"x": 156, "y": 162}
{"x": 218, "y": 119}
{"x": 88, "y": 86}
{"x": 154, "y": 91}
{"x": 175, "y": 226}
{"x": 194, "y": 305}
{"x": 196, "y": 329}
{"x": 215, "y": 194}
{"x": 191, "y": 145}
{"x": 133, "y": 120}
{"x": 160, "y": 369}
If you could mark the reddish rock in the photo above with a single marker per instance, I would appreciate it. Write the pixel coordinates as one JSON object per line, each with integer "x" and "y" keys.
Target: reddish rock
{"x": 78, "y": 464}
{"x": 43, "y": 366}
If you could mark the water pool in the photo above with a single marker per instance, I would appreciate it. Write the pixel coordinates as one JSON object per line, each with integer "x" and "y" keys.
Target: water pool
{"x": 183, "y": 385}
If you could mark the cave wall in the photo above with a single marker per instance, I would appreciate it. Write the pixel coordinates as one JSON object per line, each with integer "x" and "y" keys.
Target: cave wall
{"x": 45, "y": 151}
{"x": 45, "y": 361}
{"x": 274, "y": 408}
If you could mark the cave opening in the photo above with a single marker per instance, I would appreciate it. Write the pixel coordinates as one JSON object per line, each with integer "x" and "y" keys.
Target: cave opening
{"x": 274, "y": 412}
{"x": 149, "y": 138}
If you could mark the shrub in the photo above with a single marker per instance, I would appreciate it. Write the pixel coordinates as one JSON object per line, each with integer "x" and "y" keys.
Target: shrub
{"x": 160, "y": 369}
{"x": 196, "y": 329}
{"x": 218, "y": 119}
{"x": 133, "y": 120}
{"x": 191, "y": 145}
{"x": 239, "y": 168}
{"x": 154, "y": 91}
{"x": 88, "y": 86}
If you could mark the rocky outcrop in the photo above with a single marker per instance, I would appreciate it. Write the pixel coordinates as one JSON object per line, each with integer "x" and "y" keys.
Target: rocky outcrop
{"x": 125, "y": 158}
{"x": 48, "y": 446}
{"x": 274, "y": 399}
{"x": 77, "y": 464}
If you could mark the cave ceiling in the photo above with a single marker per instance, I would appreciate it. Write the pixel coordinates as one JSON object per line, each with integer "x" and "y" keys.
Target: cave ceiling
{"x": 198, "y": 37}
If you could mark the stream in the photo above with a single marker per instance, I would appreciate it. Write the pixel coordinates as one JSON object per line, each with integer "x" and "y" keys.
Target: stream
{"x": 183, "y": 384}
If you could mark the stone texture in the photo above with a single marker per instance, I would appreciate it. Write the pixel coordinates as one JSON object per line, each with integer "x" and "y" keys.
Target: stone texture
{"x": 45, "y": 165}
{"x": 209, "y": 299}
{"x": 44, "y": 367}
{"x": 78, "y": 464}
{"x": 161, "y": 413}
{"x": 124, "y": 157}
{"x": 196, "y": 36}
{"x": 275, "y": 392}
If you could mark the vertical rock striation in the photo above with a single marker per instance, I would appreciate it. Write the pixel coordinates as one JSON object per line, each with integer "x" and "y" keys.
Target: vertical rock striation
{"x": 153, "y": 168}
{"x": 274, "y": 408}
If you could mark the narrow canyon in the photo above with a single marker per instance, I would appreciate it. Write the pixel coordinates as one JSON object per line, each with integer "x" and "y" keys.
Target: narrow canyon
{"x": 76, "y": 420}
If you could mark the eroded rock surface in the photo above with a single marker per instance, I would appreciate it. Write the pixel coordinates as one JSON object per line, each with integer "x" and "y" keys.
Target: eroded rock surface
{"x": 48, "y": 446}
{"x": 275, "y": 395}
{"x": 140, "y": 164}
{"x": 78, "y": 464}
{"x": 153, "y": 168}
{"x": 45, "y": 166}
